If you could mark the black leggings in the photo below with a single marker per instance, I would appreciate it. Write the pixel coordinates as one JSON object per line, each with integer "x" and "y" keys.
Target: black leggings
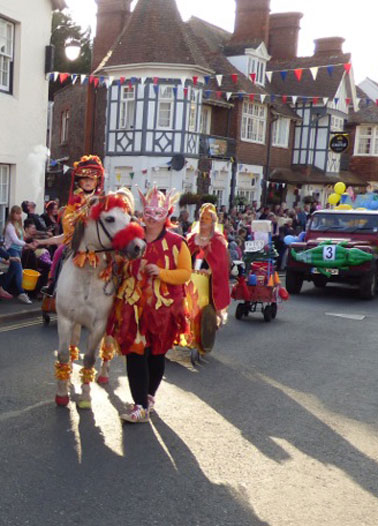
{"x": 145, "y": 373}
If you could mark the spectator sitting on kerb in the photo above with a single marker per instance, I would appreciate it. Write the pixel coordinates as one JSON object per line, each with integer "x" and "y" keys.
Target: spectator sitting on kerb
{"x": 4, "y": 258}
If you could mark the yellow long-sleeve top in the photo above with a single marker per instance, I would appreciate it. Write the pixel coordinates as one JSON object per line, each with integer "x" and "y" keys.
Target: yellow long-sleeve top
{"x": 182, "y": 273}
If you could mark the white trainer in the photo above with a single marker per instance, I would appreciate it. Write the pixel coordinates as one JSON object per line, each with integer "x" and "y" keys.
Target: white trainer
{"x": 24, "y": 298}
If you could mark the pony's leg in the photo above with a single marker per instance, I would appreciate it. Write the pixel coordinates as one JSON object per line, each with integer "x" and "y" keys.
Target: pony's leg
{"x": 63, "y": 367}
{"x": 107, "y": 352}
{"x": 74, "y": 349}
{"x": 88, "y": 372}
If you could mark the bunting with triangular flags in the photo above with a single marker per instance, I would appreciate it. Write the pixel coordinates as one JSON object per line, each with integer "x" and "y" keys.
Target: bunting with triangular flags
{"x": 219, "y": 79}
{"x": 314, "y": 72}
{"x": 269, "y": 75}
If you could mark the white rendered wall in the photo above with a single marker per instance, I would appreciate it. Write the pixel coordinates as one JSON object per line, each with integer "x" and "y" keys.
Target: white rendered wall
{"x": 23, "y": 114}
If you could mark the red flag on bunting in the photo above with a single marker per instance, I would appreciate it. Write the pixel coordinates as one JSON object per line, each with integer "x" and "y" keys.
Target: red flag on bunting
{"x": 234, "y": 77}
{"x": 186, "y": 91}
{"x": 284, "y": 99}
{"x": 91, "y": 79}
{"x": 251, "y": 97}
{"x": 130, "y": 86}
{"x": 315, "y": 100}
{"x": 376, "y": 101}
{"x": 63, "y": 77}
{"x": 348, "y": 101}
{"x": 253, "y": 77}
{"x": 195, "y": 81}
{"x": 298, "y": 73}
{"x": 219, "y": 94}
{"x": 122, "y": 80}
{"x": 155, "y": 81}
{"x": 347, "y": 67}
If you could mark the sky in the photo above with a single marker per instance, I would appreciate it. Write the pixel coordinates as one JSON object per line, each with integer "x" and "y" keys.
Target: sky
{"x": 354, "y": 20}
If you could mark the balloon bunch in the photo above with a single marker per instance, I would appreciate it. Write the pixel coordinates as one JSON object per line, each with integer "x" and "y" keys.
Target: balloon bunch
{"x": 339, "y": 196}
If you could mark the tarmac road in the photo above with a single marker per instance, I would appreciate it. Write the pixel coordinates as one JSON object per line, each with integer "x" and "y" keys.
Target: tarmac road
{"x": 278, "y": 428}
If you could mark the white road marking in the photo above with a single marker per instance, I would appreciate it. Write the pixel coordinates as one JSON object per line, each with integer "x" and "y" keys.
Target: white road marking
{"x": 357, "y": 317}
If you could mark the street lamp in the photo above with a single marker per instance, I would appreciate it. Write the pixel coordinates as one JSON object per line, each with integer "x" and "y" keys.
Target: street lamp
{"x": 72, "y": 48}
{"x": 273, "y": 118}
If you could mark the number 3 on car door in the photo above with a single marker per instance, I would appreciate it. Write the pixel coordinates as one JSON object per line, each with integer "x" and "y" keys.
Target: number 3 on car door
{"x": 329, "y": 253}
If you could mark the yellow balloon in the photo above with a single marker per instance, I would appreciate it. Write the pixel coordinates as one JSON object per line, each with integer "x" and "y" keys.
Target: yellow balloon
{"x": 344, "y": 207}
{"x": 333, "y": 199}
{"x": 340, "y": 188}
{"x": 361, "y": 208}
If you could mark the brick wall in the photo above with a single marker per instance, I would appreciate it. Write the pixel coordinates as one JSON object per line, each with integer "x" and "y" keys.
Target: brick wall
{"x": 72, "y": 98}
{"x": 364, "y": 167}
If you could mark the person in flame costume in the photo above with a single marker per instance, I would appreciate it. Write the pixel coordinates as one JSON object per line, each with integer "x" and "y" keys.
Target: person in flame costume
{"x": 87, "y": 181}
{"x": 149, "y": 312}
{"x": 208, "y": 248}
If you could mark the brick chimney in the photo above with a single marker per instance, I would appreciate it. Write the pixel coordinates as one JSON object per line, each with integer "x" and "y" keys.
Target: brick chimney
{"x": 330, "y": 46}
{"x": 283, "y": 35}
{"x": 251, "y": 21}
{"x": 112, "y": 16}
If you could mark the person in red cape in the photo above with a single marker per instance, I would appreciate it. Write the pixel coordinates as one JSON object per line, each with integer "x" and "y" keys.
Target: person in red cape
{"x": 208, "y": 248}
{"x": 149, "y": 312}
{"x": 87, "y": 181}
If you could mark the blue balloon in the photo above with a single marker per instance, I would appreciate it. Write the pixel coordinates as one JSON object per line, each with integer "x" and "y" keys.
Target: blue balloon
{"x": 288, "y": 240}
{"x": 302, "y": 236}
{"x": 373, "y": 205}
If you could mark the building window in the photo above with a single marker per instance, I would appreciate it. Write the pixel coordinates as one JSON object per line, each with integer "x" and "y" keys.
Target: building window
{"x": 367, "y": 141}
{"x": 64, "y": 125}
{"x": 127, "y": 108}
{"x": 165, "y": 112}
{"x": 6, "y": 54}
{"x": 257, "y": 66}
{"x": 253, "y": 123}
{"x": 4, "y": 194}
{"x": 205, "y": 120}
{"x": 219, "y": 194}
{"x": 280, "y": 133}
{"x": 337, "y": 124}
{"x": 193, "y": 110}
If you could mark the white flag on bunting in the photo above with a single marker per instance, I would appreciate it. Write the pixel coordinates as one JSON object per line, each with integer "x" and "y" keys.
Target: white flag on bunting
{"x": 269, "y": 75}
{"x": 325, "y": 101}
{"x": 143, "y": 80}
{"x": 183, "y": 81}
{"x": 56, "y": 74}
{"x": 294, "y": 98}
{"x": 262, "y": 97}
{"x": 228, "y": 95}
{"x": 219, "y": 79}
{"x": 65, "y": 169}
{"x": 82, "y": 78}
{"x": 314, "y": 72}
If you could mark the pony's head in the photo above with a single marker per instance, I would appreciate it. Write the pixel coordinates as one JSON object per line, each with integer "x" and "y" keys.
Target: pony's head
{"x": 111, "y": 227}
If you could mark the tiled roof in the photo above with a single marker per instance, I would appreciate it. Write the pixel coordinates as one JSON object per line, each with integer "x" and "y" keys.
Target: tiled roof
{"x": 215, "y": 37}
{"x": 326, "y": 85}
{"x": 367, "y": 114}
{"x": 300, "y": 174}
{"x": 156, "y": 33}
{"x": 239, "y": 49}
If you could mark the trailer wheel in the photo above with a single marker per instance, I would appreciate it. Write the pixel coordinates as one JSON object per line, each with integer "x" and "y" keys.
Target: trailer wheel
{"x": 274, "y": 310}
{"x": 267, "y": 313}
{"x": 46, "y": 319}
{"x": 294, "y": 281}
{"x": 240, "y": 311}
{"x": 368, "y": 286}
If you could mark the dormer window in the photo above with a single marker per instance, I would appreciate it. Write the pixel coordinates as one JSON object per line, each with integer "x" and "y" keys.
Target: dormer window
{"x": 257, "y": 66}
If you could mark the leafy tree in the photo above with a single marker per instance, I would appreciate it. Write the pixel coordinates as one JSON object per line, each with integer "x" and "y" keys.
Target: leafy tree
{"x": 64, "y": 28}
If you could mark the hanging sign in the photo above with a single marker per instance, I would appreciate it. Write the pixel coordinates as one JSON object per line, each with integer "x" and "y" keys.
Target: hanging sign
{"x": 339, "y": 143}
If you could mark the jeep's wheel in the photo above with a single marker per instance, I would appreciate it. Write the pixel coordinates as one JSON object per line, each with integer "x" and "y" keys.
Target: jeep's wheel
{"x": 294, "y": 281}
{"x": 320, "y": 282}
{"x": 368, "y": 286}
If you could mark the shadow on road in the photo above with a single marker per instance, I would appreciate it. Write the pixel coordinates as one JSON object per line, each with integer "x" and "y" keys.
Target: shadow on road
{"x": 263, "y": 412}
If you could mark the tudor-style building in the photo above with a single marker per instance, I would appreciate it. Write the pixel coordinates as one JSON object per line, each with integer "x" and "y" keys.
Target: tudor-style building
{"x": 25, "y": 29}
{"x": 155, "y": 123}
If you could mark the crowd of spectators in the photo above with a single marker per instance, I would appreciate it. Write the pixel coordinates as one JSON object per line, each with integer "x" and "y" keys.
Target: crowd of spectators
{"x": 19, "y": 248}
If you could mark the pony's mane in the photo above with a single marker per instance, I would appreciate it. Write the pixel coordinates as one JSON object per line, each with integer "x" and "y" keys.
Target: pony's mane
{"x": 107, "y": 203}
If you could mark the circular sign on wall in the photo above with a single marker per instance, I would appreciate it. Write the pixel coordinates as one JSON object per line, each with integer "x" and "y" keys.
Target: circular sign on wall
{"x": 339, "y": 143}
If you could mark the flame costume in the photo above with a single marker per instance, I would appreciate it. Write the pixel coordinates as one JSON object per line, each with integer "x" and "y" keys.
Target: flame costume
{"x": 149, "y": 311}
{"x": 209, "y": 252}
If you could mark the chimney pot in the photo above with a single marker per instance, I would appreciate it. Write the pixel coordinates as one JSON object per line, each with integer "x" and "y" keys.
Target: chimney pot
{"x": 251, "y": 21}
{"x": 283, "y": 35}
{"x": 330, "y": 46}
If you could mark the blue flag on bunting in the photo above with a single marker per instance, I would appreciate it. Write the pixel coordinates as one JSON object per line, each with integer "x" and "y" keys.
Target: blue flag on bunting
{"x": 207, "y": 93}
{"x": 272, "y": 98}
{"x": 240, "y": 95}
{"x": 156, "y": 90}
{"x": 330, "y": 70}
{"x": 283, "y": 75}
{"x": 207, "y": 80}
{"x": 175, "y": 89}
{"x": 336, "y": 100}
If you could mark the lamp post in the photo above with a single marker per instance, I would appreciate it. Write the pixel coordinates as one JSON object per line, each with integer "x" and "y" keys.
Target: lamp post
{"x": 72, "y": 49}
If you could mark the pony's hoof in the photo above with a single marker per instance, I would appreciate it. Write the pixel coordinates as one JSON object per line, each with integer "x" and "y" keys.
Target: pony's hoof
{"x": 84, "y": 404}
{"x": 103, "y": 380}
{"x": 62, "y": 401}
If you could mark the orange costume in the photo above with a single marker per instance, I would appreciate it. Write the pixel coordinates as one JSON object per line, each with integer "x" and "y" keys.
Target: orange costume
{"x": 149, "y": 311}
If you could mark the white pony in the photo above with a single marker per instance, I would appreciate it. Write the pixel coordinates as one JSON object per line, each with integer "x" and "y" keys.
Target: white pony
{"x": 87, "y": 284}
